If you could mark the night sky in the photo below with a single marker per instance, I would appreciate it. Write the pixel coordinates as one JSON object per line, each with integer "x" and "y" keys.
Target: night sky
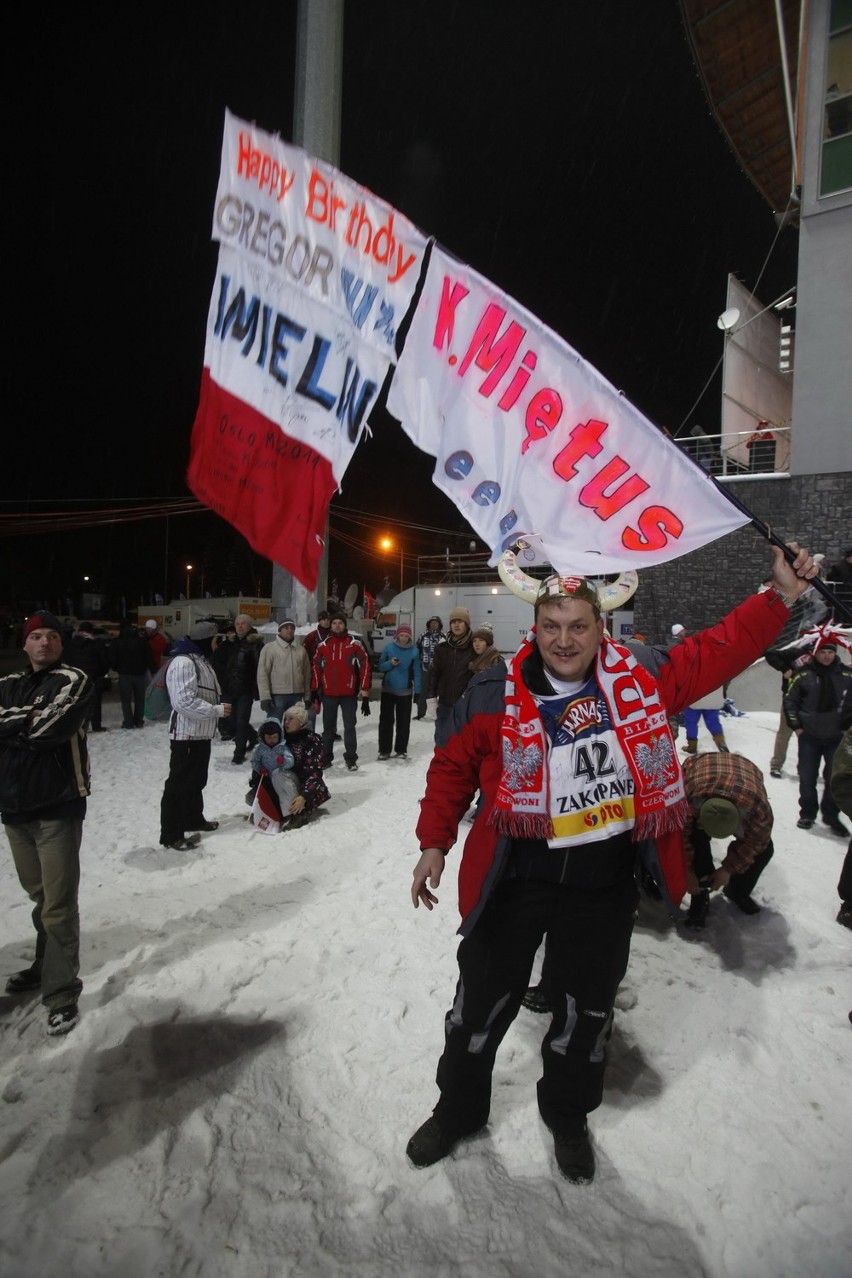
{"x": 566, "y": 151}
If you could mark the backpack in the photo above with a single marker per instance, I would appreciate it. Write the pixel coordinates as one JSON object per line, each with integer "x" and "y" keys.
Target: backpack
{"x": 158, "y": 705}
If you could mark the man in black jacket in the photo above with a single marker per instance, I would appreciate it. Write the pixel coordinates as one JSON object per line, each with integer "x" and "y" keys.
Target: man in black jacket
{"x": 239, "y": 685}
{"x": 133, "y": 661}
{"x": 813, "y": 704}
{"x": 44, "y": 781}
{"x": 87, "y": 653}
{"x": 426, "y": 645}
{"x": 788, "y": 662}
{"x": 449, "y": 674}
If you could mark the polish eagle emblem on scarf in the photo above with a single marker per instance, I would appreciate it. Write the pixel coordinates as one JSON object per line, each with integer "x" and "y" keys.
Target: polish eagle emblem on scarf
{"x": 520, "y": 763}
{"x": 655, "y": 759}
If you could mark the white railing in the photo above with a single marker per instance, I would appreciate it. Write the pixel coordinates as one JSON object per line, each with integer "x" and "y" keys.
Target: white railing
{"x": 741, "y": 455}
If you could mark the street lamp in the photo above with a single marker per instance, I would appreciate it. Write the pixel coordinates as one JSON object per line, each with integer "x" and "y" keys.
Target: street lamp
{"x": 188, "y": 571}
{"x": 386, "y": 543}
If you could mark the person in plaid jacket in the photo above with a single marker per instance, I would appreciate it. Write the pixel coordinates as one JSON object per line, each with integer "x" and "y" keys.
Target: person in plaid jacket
{"x": 727, "y": 799}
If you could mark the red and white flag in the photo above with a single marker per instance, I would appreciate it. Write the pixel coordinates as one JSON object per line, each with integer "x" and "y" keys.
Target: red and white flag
{"x": 531, "y": 441}
{"x": 314, "y": 276}
{"x": 265, "y": 813}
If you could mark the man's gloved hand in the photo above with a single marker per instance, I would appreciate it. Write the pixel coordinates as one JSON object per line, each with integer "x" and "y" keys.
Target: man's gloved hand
{"x": 316, "y": 703}
{"x": 431, "y": 708}
{"x": 365, "y": 705}
{"x": 267, "y": 706}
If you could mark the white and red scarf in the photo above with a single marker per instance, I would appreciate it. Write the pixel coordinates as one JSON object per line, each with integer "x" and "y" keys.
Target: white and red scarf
{"x": 522, "y": 805}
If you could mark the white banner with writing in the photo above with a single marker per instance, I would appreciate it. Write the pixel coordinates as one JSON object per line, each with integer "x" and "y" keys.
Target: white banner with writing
{"x": 315, "y": 274}
{"x": 531, "y": 441}
{"x": 317, "y": 232}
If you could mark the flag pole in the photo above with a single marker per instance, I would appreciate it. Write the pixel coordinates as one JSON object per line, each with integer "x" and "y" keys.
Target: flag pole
{"x": 774, "y": 540}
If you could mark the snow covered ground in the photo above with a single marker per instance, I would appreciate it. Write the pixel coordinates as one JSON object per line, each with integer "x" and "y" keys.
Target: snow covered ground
{"x": 260, "y": 1025}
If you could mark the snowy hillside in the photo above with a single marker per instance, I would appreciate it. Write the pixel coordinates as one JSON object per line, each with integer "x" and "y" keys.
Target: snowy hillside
{"x": 260, "y": 1025}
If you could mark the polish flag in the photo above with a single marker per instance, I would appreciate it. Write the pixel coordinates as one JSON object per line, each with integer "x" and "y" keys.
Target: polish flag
{"x": 315, "y": 275}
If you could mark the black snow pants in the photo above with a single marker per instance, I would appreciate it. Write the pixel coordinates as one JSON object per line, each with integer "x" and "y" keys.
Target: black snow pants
{"x": 588, "y": 947}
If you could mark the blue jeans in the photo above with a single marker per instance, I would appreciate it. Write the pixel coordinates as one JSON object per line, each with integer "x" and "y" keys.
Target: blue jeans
{"x": 283, "y": 701}
{"x": 349, "y": 709}
{"x": 811, "y": 751}
{"x": 692, "y": 718}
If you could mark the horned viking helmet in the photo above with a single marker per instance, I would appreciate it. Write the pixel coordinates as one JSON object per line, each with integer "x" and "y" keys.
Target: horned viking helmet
{"x": 569, "y": 586}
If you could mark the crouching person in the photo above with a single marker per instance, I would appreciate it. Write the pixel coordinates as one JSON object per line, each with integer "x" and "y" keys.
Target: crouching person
{"x": 306, "y": 747}
{"x": 287, "y": 779}
{"x": 272, "y": 768}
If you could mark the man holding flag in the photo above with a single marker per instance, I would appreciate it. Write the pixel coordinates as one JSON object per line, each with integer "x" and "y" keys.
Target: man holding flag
{"x": 576, "y": 764}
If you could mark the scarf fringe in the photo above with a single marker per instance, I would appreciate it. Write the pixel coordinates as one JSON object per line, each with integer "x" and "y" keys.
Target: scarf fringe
{"x": 521, "y": 825}
{"x": 650, "y": 825}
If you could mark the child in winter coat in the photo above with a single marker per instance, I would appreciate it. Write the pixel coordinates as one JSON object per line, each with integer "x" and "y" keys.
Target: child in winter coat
{"x": 272, "y": 758}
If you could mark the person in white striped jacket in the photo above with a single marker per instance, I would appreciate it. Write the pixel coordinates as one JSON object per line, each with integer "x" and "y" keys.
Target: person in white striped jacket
{"x": 196, "y": 709}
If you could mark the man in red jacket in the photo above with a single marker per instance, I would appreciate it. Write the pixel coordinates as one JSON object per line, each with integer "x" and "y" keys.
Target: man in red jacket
{"x": 576, "y": 764}
{"x": 341, "y": 671}
{"x": 314, "y": 638}
{"x": 157, "y": 641}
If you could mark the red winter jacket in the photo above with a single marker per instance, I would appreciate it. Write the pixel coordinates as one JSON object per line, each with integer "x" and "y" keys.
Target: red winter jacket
{"x": 159, "y": 645}
{"x": 471, "y": 759}
{"x": 342, "y": 667}
{"x": 312, "y": 641}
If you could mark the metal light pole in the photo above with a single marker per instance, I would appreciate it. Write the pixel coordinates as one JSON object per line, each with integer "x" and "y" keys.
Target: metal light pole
{"x": 188, "y": 571}
{"x": 316, "y": 127}
{"x": 386, "y": 543}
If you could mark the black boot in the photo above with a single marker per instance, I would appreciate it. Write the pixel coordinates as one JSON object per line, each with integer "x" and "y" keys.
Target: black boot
{"x": 699, "y": 908}
{"x": 575, "y": 1157}
{"x": 432, "y": 1142}
{"x": 23, "y": 982}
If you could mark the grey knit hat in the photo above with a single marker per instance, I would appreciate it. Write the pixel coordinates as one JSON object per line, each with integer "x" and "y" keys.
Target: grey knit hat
{"x": 203, "y": 630}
